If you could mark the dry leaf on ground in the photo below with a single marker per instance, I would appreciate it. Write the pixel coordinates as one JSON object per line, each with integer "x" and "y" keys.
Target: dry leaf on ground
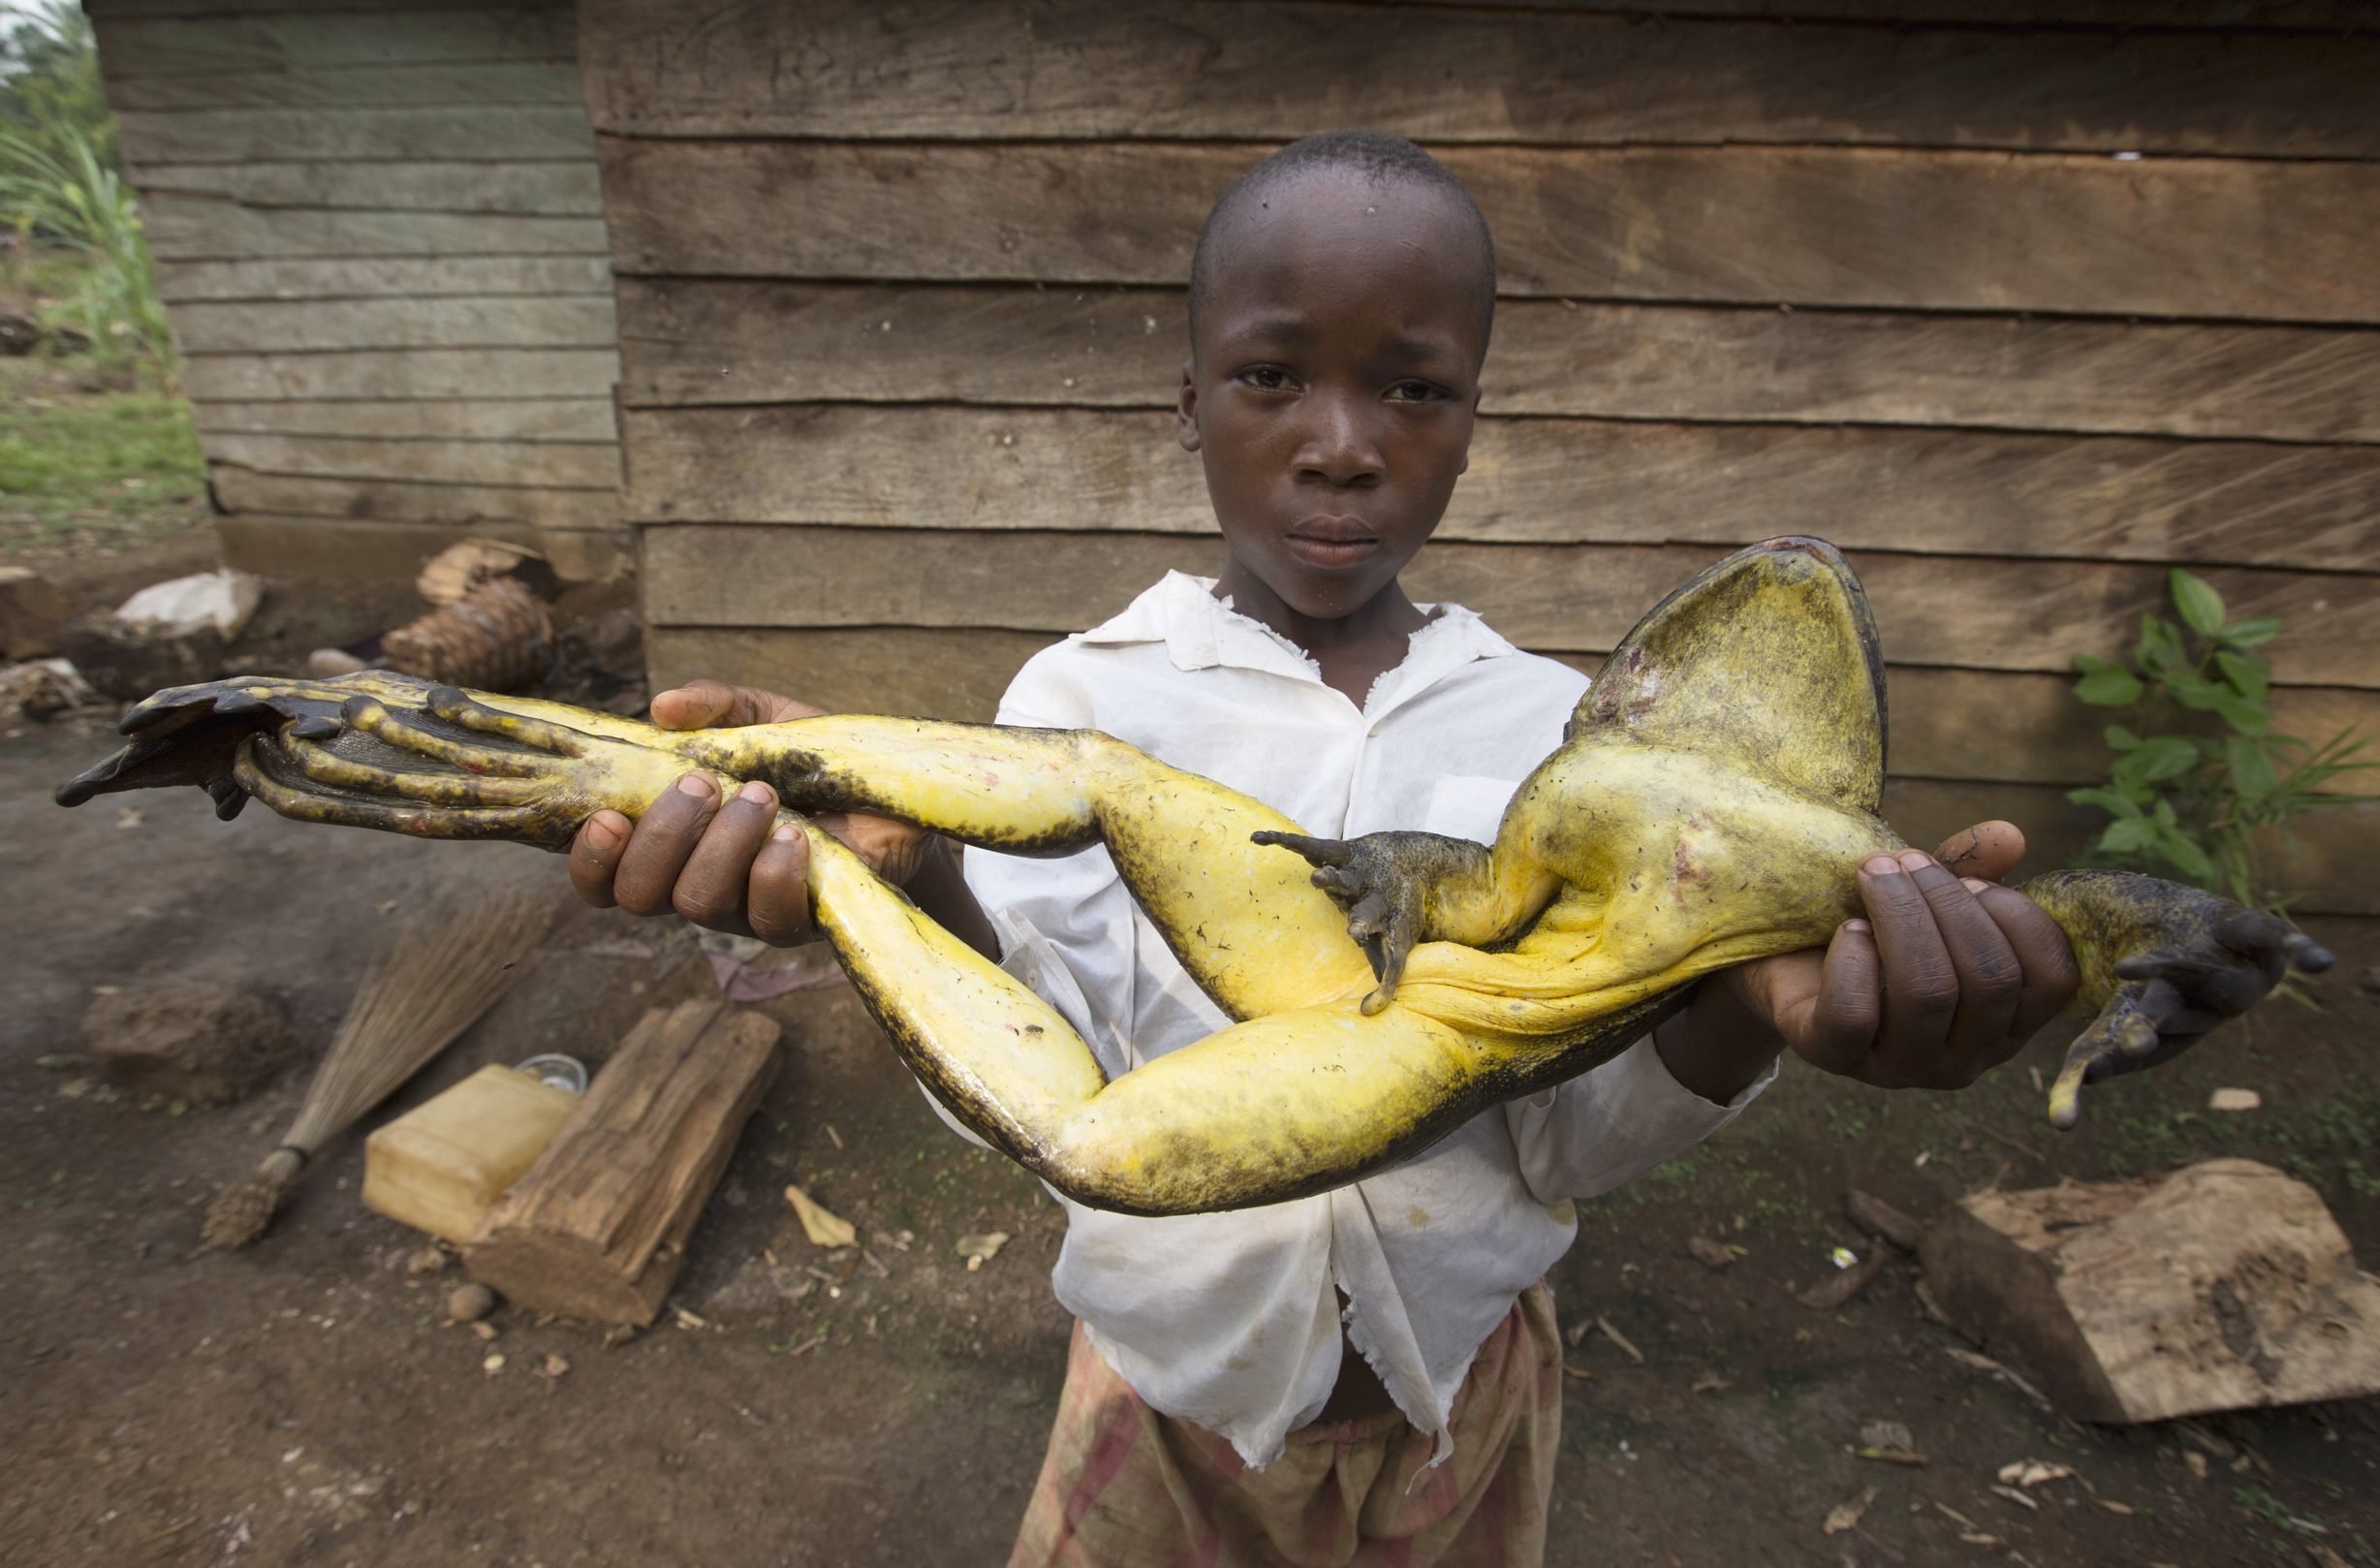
{"x": 822, "y": 1228}
{"x": 1847, "y": 1515}
{"x": 979, "y": 1249}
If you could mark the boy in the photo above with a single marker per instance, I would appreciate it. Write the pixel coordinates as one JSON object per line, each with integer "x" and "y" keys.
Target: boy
{"x": 1371, "y": 1374}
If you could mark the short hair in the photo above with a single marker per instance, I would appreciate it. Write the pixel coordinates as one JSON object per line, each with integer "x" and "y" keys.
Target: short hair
{"x": 1376, "y": 155}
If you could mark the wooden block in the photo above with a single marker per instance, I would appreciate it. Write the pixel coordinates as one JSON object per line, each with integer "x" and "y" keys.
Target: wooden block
{"x": 598, "y": 1227}
{"x": 32, "y": 612}
{"x": 440, "y": 1166}
{"x": 2224, "y": 1286}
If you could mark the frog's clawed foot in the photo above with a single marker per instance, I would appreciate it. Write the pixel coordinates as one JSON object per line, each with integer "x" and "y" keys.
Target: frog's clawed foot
{"x": 380, "y": 750}
{"x": 1383, "y": 885}
{"x": 2220, "y": 961}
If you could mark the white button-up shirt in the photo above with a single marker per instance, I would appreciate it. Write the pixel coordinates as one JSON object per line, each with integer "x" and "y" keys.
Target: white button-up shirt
{"x": 1232, "y": 1320}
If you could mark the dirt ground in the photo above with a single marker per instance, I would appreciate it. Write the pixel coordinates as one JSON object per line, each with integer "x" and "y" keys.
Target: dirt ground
{"x": 301, "y": 1402}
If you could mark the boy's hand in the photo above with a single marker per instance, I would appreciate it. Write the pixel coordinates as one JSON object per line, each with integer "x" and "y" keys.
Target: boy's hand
{"x": 1948, "y": 976}
{"x": 717, "y": 863}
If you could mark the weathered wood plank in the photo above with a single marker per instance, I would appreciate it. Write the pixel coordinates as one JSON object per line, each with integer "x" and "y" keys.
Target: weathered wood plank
{"x": 2178, "y": 237}
{"x": 449, "y": 322}
{"x": 375, "y": 277}
{"x": 2327, "y": 15}
{"x": 189, "y": 229}
{"x": 197, "y": 42}
{"x": 272, "y": 545}
{"x": 704, "y": 341}
{"x": 1093, "y": 69}
{"x": 1544, "y": 481}
{"x": 1972, "y": 612}
{"x": 960, "y": 675}
{"x": 451, "y": 84}
{"x": 529, "y": 189}
{"x": 245, "y": 490}
{"x": 382, "y": 374}
{"x": 481, "y": 419}
{"x": 497, "y": 133}
{"x": 565, "y": 464}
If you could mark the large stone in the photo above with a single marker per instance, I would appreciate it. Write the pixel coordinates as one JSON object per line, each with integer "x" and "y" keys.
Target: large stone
{"x": 32, "y": 613}
{"x": 2223, "y": 1286}
{"x": 192, "y": 1040}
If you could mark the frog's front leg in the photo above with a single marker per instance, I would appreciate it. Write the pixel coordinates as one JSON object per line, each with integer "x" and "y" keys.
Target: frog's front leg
{"x": 1399, "y": 888}
{"x": 2162, "y": 965}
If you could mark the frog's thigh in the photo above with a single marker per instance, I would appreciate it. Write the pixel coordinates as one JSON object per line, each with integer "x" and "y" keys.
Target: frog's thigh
{"x": 1268, "y": 1109}
{"x": 1246, "y": 920}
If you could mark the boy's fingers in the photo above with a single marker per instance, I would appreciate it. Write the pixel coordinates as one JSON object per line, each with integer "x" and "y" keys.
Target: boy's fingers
{"x": 710, "y": 890}
{"x": 1842, "y": 1022}
{"x": 1921, "y": 987}
{"x": 658, "y": 850}
{"x": 777, "y": 902}
{"x": 1989, "y": 850}
{"x": 1990, "y": 982}
{"x": 595, "y": 854}
{"x": 2051, "y": 977}
{"x": 702, "y": 705}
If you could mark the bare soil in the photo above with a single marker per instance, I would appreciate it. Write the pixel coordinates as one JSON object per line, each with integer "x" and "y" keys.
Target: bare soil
{"x": 302, "y": 1403}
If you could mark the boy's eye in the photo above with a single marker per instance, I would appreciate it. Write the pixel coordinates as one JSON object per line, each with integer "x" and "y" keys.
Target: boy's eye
{"x": 1411, "y": 391}
{"x": 1267, "y": 378}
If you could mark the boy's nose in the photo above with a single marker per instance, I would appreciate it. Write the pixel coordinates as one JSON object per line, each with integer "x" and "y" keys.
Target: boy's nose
{"x": 1340, "y": 446}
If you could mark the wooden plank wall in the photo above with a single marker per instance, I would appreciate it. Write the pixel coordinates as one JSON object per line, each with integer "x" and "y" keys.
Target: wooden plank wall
{"x": 378, "y": 234}
{"x": 2015, "y": 304}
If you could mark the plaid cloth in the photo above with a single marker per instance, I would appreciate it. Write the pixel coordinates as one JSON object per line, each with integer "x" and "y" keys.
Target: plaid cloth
{"x": 1123, "y": 1486}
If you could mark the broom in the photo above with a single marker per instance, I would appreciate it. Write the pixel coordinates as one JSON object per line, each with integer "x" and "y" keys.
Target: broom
{"x": 444, "y": 969}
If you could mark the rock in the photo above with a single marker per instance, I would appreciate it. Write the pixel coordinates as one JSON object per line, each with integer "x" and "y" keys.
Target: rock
{"x": 128, "y": 662}
{"x": 192, "y": 1040}
{"x": 32, "y": 613}
{"x": 468, "y": 1303}
{"x": 20, "y": 332}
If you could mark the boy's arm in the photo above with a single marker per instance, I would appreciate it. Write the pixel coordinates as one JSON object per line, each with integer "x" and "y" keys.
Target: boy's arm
{"x": 731, "y": 866}
{"x": 1948, "y": 976}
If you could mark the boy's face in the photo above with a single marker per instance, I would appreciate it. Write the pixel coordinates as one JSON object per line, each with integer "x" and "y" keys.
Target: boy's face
{"x": 1333, "y": 381}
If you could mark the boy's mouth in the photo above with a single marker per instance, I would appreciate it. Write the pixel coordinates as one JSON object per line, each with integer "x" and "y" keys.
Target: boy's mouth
{"x": 1332, "y": 540}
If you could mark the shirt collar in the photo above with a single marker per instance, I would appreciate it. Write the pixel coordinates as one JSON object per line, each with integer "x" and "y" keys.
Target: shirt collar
{"x": 1200, "y": 632}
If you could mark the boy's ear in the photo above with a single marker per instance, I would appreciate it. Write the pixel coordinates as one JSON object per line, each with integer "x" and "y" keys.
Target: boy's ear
{"x": 1186, "y": 411}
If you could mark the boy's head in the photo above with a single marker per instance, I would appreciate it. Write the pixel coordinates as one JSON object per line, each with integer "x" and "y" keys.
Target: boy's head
{"x": 1341, "y": 300}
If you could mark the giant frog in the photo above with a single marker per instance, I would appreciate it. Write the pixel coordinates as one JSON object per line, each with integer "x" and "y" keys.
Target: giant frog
{"x": 1715, "y": 789}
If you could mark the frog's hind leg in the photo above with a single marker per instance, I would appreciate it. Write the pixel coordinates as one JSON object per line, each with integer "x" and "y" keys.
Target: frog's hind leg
{"x": 1246, "y": 922}
{"x": 1264, "y": 1110}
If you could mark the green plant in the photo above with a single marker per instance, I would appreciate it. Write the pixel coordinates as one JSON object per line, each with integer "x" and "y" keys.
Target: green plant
{"x": 2200, "y": 772}
{"x": 72, "y": 198}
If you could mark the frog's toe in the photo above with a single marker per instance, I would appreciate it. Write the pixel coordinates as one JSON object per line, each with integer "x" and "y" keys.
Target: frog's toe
{"x": 2123, "y": 1038}
{"x": 1381, "y": 881}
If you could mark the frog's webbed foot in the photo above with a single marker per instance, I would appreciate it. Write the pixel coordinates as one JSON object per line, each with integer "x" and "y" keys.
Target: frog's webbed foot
{"x": 2165, "y": 965}
{"x": 392, "y": 752}
{"x": 1386, "y": 884}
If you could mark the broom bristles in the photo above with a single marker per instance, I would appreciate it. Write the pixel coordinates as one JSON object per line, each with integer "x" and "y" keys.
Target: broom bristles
{"x": 444, "y": 969}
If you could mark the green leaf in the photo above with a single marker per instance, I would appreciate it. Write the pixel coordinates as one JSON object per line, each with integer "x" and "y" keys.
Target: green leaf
{"x": 2251, "y": 767}
{"x": 2130, "y": 834}
{"x": 2250, "y": 677}
{"x": 2194, "y": 863}
{"x": 2247, "y": 717}
{"x": 2200, "y": 607}
{"x": 2112, "y": 801}
{"x": 2119, "y": 739}
{"x": 2250, "y": 630}
{"x": 2110, "y": 686}
{"x": 2162, "y": 757}
{"x": 2193, "y": 692}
